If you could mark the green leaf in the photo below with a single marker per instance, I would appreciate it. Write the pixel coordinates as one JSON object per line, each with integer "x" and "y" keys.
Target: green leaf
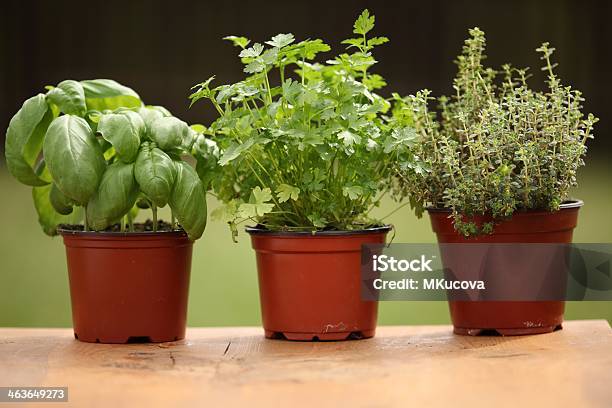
{"x": 281, "y": 40}
{"x": 48, "y": 218}
{"x": 69, "y": 97}
{"x": 318, "y": 221}
{"x": 149, "y": 114}
{"x": 349, "y": 138}
{"x": 202, "y": 90}
{"x": 106, "y": 94}
{"x": 270, "y": 56}
{"x": 291, "y": 90}
{"x": 258, "y": 204}
{"x": 364, "y": 23}
{"x": 115, "y": 196}
{"x": 168, "y": 132}
{"x": 314, "y": 181}
{"x": 286, "y": 192}
{"x": 352, "y": 192}
{"x": 252, "y": 52}
{"x": 155, "y": 173}
{"x": 188, "y": 200}
{"x": 199, "y": 128}
{"x": 260, "y": 196}
{"x": 377, "y": 40}
{"x": 24, "y": 139}
{"x": 310, "y": 48}
{"x": 241, "y": 42}
{"x": 255, "y": 66}
{"x": 374, "y": 81}
{"x": 403, "y": 137}
{"x": 74, "y": 157}
{"x": 235, "y": 150}
{"x": 59, "y": 201}
{"x": 353, "y": 42}
{"x": 123, "y": 130}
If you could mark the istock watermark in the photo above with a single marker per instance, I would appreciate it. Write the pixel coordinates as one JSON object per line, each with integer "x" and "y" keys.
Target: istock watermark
{"x": 496, "y": 272}
{"x": 383, "y": 263}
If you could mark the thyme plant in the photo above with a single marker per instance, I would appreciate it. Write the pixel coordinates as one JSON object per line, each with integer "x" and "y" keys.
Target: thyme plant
{"x": 499, "y": 146}
{"x": 302, "y": 145}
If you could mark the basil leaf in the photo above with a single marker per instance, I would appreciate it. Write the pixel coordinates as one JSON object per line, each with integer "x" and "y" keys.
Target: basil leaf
{"x": 74, "y": 157}
{"x": 69, "y": 97}
{"x": 115, "y": 196}
{"x": 106, "y": 94}
{"x": 48, "y": 218}
{"x": 24, "y": 139}
{"x": 149, "y": 114}
{"x": 188, "y": 200}
{"x": 123, "y": 130}
{"x": 169, "y": 132}
{"x": 155, "y": 173}
{"x": 59, "y": 201}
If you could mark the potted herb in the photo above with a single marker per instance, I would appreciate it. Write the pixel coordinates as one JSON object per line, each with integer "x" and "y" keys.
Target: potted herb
{"x": 304, "y": 151}
{"x": 93, "y": 154}
{"x": 501, "y": 161}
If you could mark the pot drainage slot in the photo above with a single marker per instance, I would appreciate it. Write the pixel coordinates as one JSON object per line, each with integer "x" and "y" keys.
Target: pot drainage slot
{"x": 356, "y": 335}
{"x": 489, "y": 332}
{"x": 138, "y": 339}
{"x": 278, "y": 336}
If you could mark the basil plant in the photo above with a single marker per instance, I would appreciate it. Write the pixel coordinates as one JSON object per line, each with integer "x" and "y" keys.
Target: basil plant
{"x": 94, "y": 153}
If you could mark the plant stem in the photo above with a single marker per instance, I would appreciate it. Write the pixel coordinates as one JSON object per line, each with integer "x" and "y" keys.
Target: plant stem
{"x": 85, "y": 221}
{"x": 154, "y": 211}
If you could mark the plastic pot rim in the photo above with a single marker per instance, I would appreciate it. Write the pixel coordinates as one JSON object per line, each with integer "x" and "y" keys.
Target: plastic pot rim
{"x": 266, "y": 232}
{"x": 119, "y": 234}
{"x": 568, "y": 204}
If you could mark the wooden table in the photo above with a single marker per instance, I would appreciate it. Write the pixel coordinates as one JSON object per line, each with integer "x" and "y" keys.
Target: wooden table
{"x": 401, "y": 366}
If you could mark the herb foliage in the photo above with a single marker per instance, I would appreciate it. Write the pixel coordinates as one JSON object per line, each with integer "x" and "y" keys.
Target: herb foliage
{"x": 91, "y": 150}
{"x": 300, "y": 144}
{"x": 499, "y": 146}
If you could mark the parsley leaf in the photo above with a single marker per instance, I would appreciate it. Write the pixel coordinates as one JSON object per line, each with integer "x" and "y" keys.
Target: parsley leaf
{"x": 352, "y": 192}
{"x": 349, "y": 138}
{"x": 281, "y": 40}
{"x": 241, "y": 42}
{"x": 286, "y": 192}
{"x": 252, "y": 52}
{"x": 258, "y": 205}
{"x": 364, "y": 23}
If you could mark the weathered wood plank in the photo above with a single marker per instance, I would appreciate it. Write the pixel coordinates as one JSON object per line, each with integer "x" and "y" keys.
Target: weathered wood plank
{"x": 421, "y": 365}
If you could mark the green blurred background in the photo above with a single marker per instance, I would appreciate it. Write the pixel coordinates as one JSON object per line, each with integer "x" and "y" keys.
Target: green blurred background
{"x": 162, "y": 48}
{"x": 34, "y": 283}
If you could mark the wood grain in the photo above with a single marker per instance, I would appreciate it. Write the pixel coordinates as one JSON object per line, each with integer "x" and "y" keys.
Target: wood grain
{"x": 401, "y": 366}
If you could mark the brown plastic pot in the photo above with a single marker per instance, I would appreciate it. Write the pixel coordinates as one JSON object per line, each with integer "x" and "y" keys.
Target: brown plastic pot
{"x": 128, "y": 287}
{"x": 310, "y": 285}
{"x": 510, "y": 317}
